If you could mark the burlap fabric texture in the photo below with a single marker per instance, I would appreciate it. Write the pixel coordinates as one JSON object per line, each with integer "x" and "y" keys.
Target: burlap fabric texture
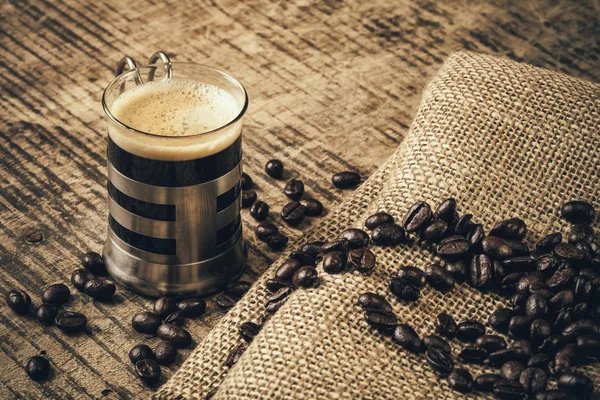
{"x": 504, "y": 139}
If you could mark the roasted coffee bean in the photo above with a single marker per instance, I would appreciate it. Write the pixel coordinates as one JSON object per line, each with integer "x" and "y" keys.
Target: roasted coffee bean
{"x": 100, "y": 289}
{"x": 406, "y": 337}
{"x": 561, "y": 279}
{"x": 79, "y": 277}
{"x": 437, "y": 342}
{"x": 459, "y": 269}
{"x": 460, "y": 380}
{"x": 176, "y": 334}
{"x": 345, "y": 179}
{"x": 165, "y": 353}
{"x": 510, "y": 229}
{"x": 547, "y": 264}
{"x": 226, "y": 301}
{"x": 578, "y": 212}
{"x": 264, "y": 230}
{"x": 551, "y": 345}
{"x": 511, "y": 370}
{"x": 274, "y": 169}
{"x": 248, "y": 330}
{"x": 569, "y": 252}
{"x": 518, "y": 248}
{"x": 445, "y": 325}
{"x": 46, "y": 313}
{"x": 148, "y": 370}
{"x": 93, "y": 262}
{"x": 463, "y": 225}
{"x": 578, "y": 328}
{"x": 469, "y": 330}
{"x": 412, "y": 275}
{"x": 377, "y": 219}
{"x": 192, "y": 307}
{"x": 547, "y": 243}
{"x": 509, "y": 283}
{"x": 293, "y": 213}
{"x": 536, "y": 306}
{"x": 496, "y": 247}
{"x": 534, "y": 380}
{"x": 294, "y": 189}
{"x": 583, "y": 288}
{"x": 446, "y": 211}
{"x": 500, "y": 319}
{"x": 238, "y": 289}
{"x": 404, "y": 290}
{"x": 382, "y": 320}
{"x": 312, "y": 249}
{"x": 146, "y": 322}
{"x": 434, "y": 231}
{"x": 335, "y": 262}
{"x": 524, "y": 345}
{"x": 520, "y": 264}
{"x": 165, "y": 306}
{"x": 140, "y": 352}
{"x": 175, "y": 318}
{"x": 440, "y": 361}
{"x": 38, "y": 368}
{"x": 362, "y": 259}
{"x": 532, "y": 278}
{"x": 335, "y": 245}
{"x": 562, "y": 364}
{"x": 473, "y": 354}
{"x": 277, "y": 241}
{"x": 453, "y": 247}
{"x": 486, "y": 382}
{"x": 70, "y": 321}
{"x": 388, "y": 235}
{"x": 539, "y": 331}
{"x": 580, "y": 233}
{"x": 235, "y": 354}
{"x": 246, "y": 181}
{"x": 576, "y": 383}
{"x": 304, "y": 258}
{"x": 439, "y": 279}
{"x": 274, "y": 285}
{"x": 589, "y": 345}
{"x": 519, "y": 326}
{"x": 18, "y": 301}
{"x": 369, "y": 300}
{"x": 518, "y": 301}
{"x": 248, "y": 198}
{"x": 539, "y": 360}
{"x": 563, "y": 319}
{"x": 475, "y": 236}
{"x": 314, "y": 208}
{"x": 306, "y": 277}
{"x": 482, "y": 273}
{"x": 417, "y": 217}
{"x": 499, "y": 357}
{"x": 276, "y": 300}
{"x": 57, "y": 294}
{"x": 509, "y": 390}
{"x": 357, "y": 238}
{"x": 491, "y": 343}
{"x": 287, "y": 269}
{"x": 554, "y": 394}
{"x": 259, "y": 210}
{"x": 560, "y": 300}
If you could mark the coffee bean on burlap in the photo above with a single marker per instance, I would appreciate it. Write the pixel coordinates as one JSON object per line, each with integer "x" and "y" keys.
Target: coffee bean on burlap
{"x": 475, "y": 236}
{"x": 459, "y": 269}
{"x": 146, "y": 322}
{"x": 293, "y": 213}
{"x": 412, "y": 275}
{"x": 554, "y": 394}
{"x": 434, "y": 230}
{"x": 148, "y": 370}
{"x": 294, "y": 189}
{"x": 445, "y": 325}
{"x": 510, "y": 229}
{"x": 140, "y": 352}
{"x": 274, "y": 168}
{"x": 473, "y": 354}
{"x": 440, "y": 361}
{"x": 511, "y": 370}
{"x": 446, "y": 211}
{"x": 381, "y": 319}
{"x": 18, "y": 301}
{"x": 306, "y": 277}
{"x": 469, "y": 330}
{"x": 437, "y": 342}
{"x": 406, "y": 337}
{"x": 534, "y": 380}
{"x": 57, "y": 294}
{"x": 519, "y": 326}
{"x": 248, "y": 330}
{"x": 539, "y": 331}
{"x": 463, "y": 225}
{"x": 509, "y": 390}
{"x": 345, "y": 179}
{"x": 578, "y": 328}
{"x": 70, "y": 321}
{"x": 38, "y": 368}
{"x": 500, "y": 319}
{"x": 175, "y": 318}
{"x": 568, "y": 252}
{"x": 578, "y": 212}
{"x": 561, "y": 300}
{"x": 335, "y": 245}
{"x": 165, "y": 353}
{"x": 547, "y": 264}
{"x": 362, "y": 259}
{"x": 46, "y": 313}
{"x": 547, "y": 243}
{"x": 79, "y": 277}
{"x": 576, "y": 383}
{"x": 486, "y": 382}
{"x": 580, "y": 233}
{"x": 248, "y": 198}
{"x": 388, "y": 235}
{"x": 369, "y": 300}
{"x": 287, "y": 269}
{"x": 460, "y": 380}
{"x": 496, "y": 247}
{"x": 314, "y": 208}
{"x": 176, "y": 334}
{"x": 235, "y": 354}
{"x": 561, "y": 279}
{"x": 313, "y": 248}
{"x": 536, "y": 306}
{"x": 491, "y": 343}
{"x": 518, "y": 248}
{"x": 259, "y": 210}
{"x": 482, "y": 272}
{"x": 438, "y": 278}
{"x": 264, "y": 230}
{"x": 335, "y": 262}
{"x": 277, "y": 241}
{"x": 377, "y": 219}
{"x": 246, "y": 181}
{"x": 357, "y": 238}
{"x": 404, "y": 290}
{"x": 276, "y": 300}
{"x": 417, "y": 217}
{"x": 453, "y": 247}
{"x": 499, "y": 357}
{"x": 93, "y": 262}
{"x": 552, "y": 344}
{"x": 274, "y": 285}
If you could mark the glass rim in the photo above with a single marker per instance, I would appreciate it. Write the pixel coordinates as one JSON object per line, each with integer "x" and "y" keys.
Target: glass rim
{"x": 227, "y": 75}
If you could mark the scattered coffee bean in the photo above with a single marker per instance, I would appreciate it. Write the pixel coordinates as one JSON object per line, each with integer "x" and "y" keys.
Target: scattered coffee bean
{"x": 100, "y": 289}
{"x": 93, "y": 262}
{"x": 314, "y": 208}
{"x": 473, "y": 354}
{"x": 445, "y": 325}
{"x": 434, "y": 231}
{"x": 437, "y": 342}
{"x": 563, "y": 319}
{"x": 274, "y": 285}
{"x": 46, "y": 313}
{"x": 287, "y": 269}
{"x": 246, "y": 181}
{"x": 293, "y": 213}
{"x": 589, "y": 345}
{"x": 453, "y": 247}
{"x": 175, "y": 318}
{"x": 510, "y": 229}
{"x": 552, "y": 344}
{"x": 403, "y": 290}
{"x": 388, "y": 235}
{"x": 576, "y": 383}
{"x": 534, "y": 380}
{"x": 519, "y": 326}
{"x": 235, "y": 354}
{"x": 579, "y": 328}
{"x": 294, "y": 189}
{"x": 70, "y": 321}
{"x": 192, "y": 307}
{"x": 38, "y": 368}
{"x": 509, "y": 390}
{"x": 417, "y": 217}
{"x": 335, "y": 245}
{"x": 277, "y": 241}
{"x": 165, "y": 306}
{"x": 459, "y": 269}
{"x": 539, "y": 360}
{"x": 439, "y": 361}
{"x": 264, "y": 230}
{"x": 438, "y": 278}
{"x": 374, "y": 301}
{"x": 165, "y": 353}
{"x": 238, "y": 289}
{"x": 176, "y": 334}
{"x": 536, "y": 306}
{"x": 248, "y": 198}
{"x": 335, "y": 262}
{"x": 496, "y": 247}
{"x": 140, "y": 352}
{"x": 382, "y": 320}
{"x": 446, "y": 211}
{"x": 460, "y": 380}
{"x": 357, "y": 238}
{"x": 500, "y": 319}
{"x": 547, "y": 243}
{"x": 277, "y": 299}
{"x": 79, "y": 277}
{"x": 463, "y": 225}
{"x": 491, "y": 343}
{"x": 274, "y": 169}
{"x": 248, "y": 330}
{"x": 57, "y": 294}
{"x": 406, "y": 337}
{"x": 18, "y": 301}
{"x": 511, "y": 370}
{"x": 578, "y": 212}
{"x": 313, "y": 248}
{"x": 518, "y": 248}
{"x": 345, "y": 180}
{"x": 306, "y": 277}
{"x": 566, "y": 251}
{"x": 469, "y": 330}
{"x": 499, "y": 357}
{"x": 580, "y": 233}
{"x": 482, "y": 271}
{"x": 524, "y": 345}
{"x": 146, "y": 322}
{"x": 259, "y": 210}
{"x": 486, "y": 382}
{"x": 412, "y": 275}
{"x": 148, "y": 370}
{"x": 554, "y": 394}
{"x": 362, "y": 259}
{"x": 377, "y": 219}
{"x": 304, "y": 258}
{"x": 539, "y": 331}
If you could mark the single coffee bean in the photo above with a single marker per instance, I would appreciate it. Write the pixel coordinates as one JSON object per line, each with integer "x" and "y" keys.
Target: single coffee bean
{"x": 264, "y": 230}
{"x": 388, "y": 235}
{"x": 519, "y": 326}
{"x": 259, "y": 210}
{"x": 377, "y": 219}
{"x": 274, "y": 169}
{"x": 274, "y": 285}
{"x": 412, "y": 275}
{"x": 589, "y": 346}
{"x": 175, "y": 318}
{"x": 165, "y": 306}
{"x": 38, "y": 368}
{"x": 79, "y": 277}
{"x": 551, "y": 345}
{"x": 579, "y": 328}
{"x": 536, "y": 306}
{"x": 294, "y": 189}
{"x": 304, "y": 258}
{"x": 547, "y": 264}
{"x": 382, "y": 320}
{"x": 445, "y": 325}
{"x": 57, "y": 294}
{"x": 534, "y": 380}
{"x": 518, "y": 301}
{"x": 140, "y": 352}
{"x": 473, "y": 354}
{"x": 246, "y": 181}
{"x": 460, "y": 380}
{"x": 314, "y": 208}
{"x": 561, "y": 279}
{"x": 335, "y": 245}
{"x": 287, "y": 269}
{"x": 491, "y": 343}
{"x": 18, "y": 301}
{"x": 277, "y": 241}
{"x": 509, "y": 283}
{"x": 248, "y": 330}
{"x": 434, "y": 230}
{"x": 578, "y": 212}
{"x": 566, "y": 251}
{"x": 70, "y": 321}
{"x": 165, "y": 353}
{"x": 406, "y": 337}
{"x": 500, "y": 319}
{"x": 345, "y": 179}
{"x": 148, "y": 370}
{"x": 563, "y": 319}
{"x": 403, "y": 290}
{"x": 469, "y": 330}
{"x": 417, "y": 217}
{"x": 583, "y": 288}
{"x": 463, "y": 225}
{"x": 438, "y": 278}
{"x": 192, "y": 307}
{"x": 482, "y": 272}
{"x": 146, "y": 322}
{"x": 560, "y": 300}
{"x": 436, "y": 341}
{"x": 235, "y": 354}
{"x": 562, "y": 364}
{"x": 500, "y": 357}
{"x": 539, "y": 360}
{"x": 459, "y": 269}
{"x": 518, "y": 248}
{"x": 100, "y": 289}
{"x": 520, "y": 264}
{"x": 276, "y": 300}
{"x": 306, "y": 277}
{"x": 576, "y": 383}
{"x": 524, "y": 284}
{"x": 446, "y": 211}
{"x": 453, "y": 247}
{"x": 547, "y": 243}
{"x": 93, "y": 262}
{"x": 357, "y": 238}
{"x": 524, "y": 345}
{"x": 496, "y": 247}
{"x": 539, "y": 331}
{"x": 369, "y": 300}
{"x": 46, "y": 313}
{"x": 361, "y": 259}
{"x": 176, "y": 334}
{"x": 440, "y": 361}
{"x": 580, "y": 233}
{"x": 237, "y": 289}
{"x": 509, "y": 390}
{"x": 313, "y": 248}
{"x": 486, "y": 382}
{"x": 475, "y": 236}
{"x": 510, "y": 229}
{"x": 248, "y": 198}
{"x": 554, "y": 394}
{"x": 293, "y": 213}
{"x": 335, "y": 262}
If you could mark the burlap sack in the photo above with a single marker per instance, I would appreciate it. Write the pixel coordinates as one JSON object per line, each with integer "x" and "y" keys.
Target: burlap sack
{"x": 505, "y": 140}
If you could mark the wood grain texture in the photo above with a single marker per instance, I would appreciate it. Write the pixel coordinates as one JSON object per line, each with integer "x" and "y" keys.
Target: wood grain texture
{"x": 333, "y": 86}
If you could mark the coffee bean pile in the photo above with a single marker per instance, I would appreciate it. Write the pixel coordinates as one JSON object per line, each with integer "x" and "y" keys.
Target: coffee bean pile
{"x": 554, "y": 292}
{"x": 165, "y": 321}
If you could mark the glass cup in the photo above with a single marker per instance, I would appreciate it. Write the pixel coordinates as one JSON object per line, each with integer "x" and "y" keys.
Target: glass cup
{"x": 174, "y": 201}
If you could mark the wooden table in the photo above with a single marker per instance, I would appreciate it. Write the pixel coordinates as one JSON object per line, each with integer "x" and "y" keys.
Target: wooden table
{"x": 333, "y": 86}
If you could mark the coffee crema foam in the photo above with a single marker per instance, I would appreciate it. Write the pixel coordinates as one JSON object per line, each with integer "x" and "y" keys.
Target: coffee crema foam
{"x": 173, "y": 111}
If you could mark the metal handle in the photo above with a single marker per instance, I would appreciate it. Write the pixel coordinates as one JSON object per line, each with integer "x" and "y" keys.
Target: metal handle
{"x": 130, "y": 64}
